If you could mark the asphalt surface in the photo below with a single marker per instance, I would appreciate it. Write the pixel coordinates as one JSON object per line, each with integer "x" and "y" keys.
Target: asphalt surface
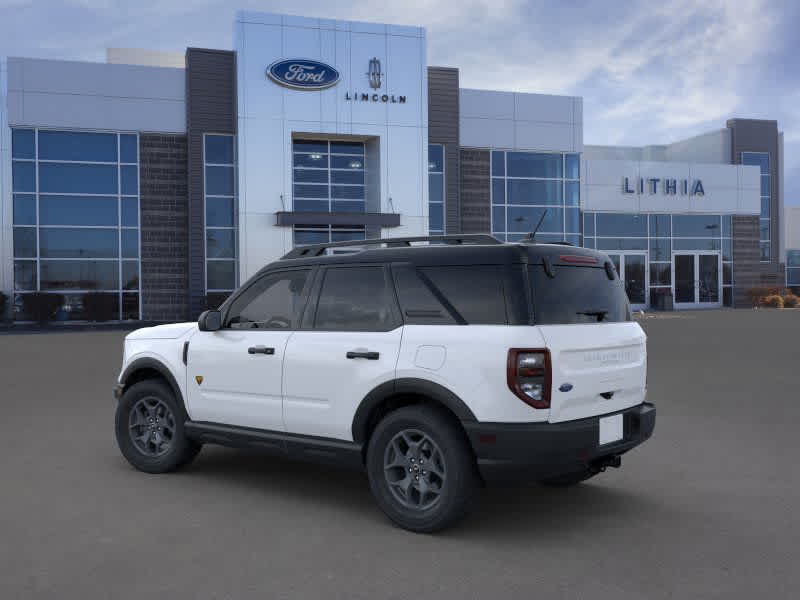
{"x": 708, "y": 508}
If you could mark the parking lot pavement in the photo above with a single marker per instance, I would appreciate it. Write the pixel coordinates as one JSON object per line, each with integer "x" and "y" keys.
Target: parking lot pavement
{"x": 707, "y": 509}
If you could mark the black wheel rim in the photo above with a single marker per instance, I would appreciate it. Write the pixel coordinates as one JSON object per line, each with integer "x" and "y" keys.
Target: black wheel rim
{"x": 151, "y": 426}
{"x": 414, "y": 469}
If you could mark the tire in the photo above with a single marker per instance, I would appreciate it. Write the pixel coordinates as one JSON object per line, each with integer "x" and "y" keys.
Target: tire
{"x": 568, "y": 479}
{"x": 404, "y": 439}
{"x": 159, "y": 446}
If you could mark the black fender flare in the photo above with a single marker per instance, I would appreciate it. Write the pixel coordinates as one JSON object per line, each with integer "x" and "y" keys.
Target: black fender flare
{"x": 156, "y": 365}
{"x": 409, "y": 385}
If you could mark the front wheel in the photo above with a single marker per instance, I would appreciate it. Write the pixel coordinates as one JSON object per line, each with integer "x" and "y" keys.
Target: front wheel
{"x": 421, "y": 470}
{"x": 149, "y": 428}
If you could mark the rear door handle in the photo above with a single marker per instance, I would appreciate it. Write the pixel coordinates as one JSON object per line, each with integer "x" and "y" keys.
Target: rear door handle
{"x": 365, "y": 354}
{"x": 260, "y": 350}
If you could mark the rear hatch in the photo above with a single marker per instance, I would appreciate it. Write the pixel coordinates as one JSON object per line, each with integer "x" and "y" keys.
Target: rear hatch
{"x": 598, "y": 353}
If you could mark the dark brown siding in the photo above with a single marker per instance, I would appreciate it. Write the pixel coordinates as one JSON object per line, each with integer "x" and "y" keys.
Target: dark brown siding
{"x": 475, "y": 199}
{"x": 746, "y": 253}
{"x": 443, "y": 129}
{"x": 210, "y": 108}
{"x": 165, "y": 231}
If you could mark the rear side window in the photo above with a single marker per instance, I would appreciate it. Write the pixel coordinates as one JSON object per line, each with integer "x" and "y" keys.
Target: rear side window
{"x": 355, "y": 299}
{"x": 417, "y": 302}
{"x": 475, "y": 292}
{"x": 577, "y": 295}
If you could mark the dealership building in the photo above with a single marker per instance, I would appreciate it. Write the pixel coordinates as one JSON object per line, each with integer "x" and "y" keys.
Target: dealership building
{"x": 166, "y": 180}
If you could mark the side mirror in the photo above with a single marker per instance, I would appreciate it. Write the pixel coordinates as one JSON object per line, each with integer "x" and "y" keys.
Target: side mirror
{"x": 210, "y": 320}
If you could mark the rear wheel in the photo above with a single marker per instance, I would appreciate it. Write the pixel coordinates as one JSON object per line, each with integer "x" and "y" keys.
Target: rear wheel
{"x": 149, "y": 428}
{"x": 421, "y": 470}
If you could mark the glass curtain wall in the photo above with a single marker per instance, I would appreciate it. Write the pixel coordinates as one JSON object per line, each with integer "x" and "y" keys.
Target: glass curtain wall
{"x": 328, "y": 176}
{"x": 793, "y": 268}
{"x": 531, "y": 186}
{"x": 76, "y": 221}
{"x": 761, "y": 160}
{"x": 659, "y": 235}
{"x": 219, "y": 158}
{"x": 436, "y": 189}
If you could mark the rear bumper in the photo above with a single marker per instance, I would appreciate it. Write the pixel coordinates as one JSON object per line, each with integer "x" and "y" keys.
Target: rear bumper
{"x": 530, "y": 451}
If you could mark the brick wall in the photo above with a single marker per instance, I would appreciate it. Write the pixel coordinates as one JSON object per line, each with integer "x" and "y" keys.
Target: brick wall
{"x": 165, "y": 232}
{"x": 476, "y": 216}
{"x": 748, "y": 271}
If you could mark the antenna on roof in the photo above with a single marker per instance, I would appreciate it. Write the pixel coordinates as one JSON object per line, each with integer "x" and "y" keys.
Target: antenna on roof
{"x": 532, "y": 235}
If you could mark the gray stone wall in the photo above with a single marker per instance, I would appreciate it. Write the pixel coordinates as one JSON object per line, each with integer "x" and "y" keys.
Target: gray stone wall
{"x": 164, "y": 227}
{"x": 476, "y": 215}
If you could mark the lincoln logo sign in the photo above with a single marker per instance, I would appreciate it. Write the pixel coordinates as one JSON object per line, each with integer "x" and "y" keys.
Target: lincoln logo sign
{"x": 667, "y": 186}
{"x": 302, "y": 74}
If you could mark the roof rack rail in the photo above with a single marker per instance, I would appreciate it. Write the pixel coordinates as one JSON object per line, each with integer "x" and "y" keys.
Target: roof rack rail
{"x": 318, "y": 249}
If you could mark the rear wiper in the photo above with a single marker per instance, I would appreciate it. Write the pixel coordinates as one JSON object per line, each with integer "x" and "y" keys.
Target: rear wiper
{"x": 600, "y": 314}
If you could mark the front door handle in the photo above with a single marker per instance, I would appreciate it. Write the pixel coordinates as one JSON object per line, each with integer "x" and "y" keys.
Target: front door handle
{"x": 260, "y": 350}
{"x": 363, "y": 354}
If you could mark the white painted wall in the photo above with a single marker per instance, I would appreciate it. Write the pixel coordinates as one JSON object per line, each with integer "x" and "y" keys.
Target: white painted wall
{"x": 512, "y": 120}
{"x": 713, "y": 147}
{"x": 83, "y": 95}
{"x": 270, "y": 114}
{"x": 6, "y": 205}
{"x": 729, "y": 189}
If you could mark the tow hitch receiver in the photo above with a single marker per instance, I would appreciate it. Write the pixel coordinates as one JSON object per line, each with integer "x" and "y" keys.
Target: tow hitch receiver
{"x": 601, "y": 464}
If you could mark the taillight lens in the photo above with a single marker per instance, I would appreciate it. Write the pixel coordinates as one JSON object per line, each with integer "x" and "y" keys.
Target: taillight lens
{"x": 529, "y": 376}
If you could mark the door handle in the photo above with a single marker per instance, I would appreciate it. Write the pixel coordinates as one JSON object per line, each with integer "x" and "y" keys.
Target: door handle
{"x": 260, "y": 350}
{"x": 365, "y": 354}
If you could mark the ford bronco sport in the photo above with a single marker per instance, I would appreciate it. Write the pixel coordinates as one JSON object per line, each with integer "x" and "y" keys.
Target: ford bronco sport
{"x": 435, "y": 364}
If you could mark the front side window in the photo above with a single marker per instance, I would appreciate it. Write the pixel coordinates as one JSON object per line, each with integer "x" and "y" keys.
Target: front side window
{"x": 272, "y": 302}
{"x": 355, "y": 299}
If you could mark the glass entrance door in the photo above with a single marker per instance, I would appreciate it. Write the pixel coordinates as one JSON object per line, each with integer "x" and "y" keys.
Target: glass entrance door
{"x": 696, "y": 279}
{"x": 632, "y": 269}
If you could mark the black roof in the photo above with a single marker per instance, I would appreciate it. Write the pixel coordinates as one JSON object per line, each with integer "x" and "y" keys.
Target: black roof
{"x": 470, "y": 250}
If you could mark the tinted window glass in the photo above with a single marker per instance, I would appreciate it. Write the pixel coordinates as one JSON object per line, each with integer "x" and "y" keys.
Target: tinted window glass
{"x": 523, "y": 191}
{"x": 127, "y": 149}
{"x": 129, "y": 180}
{"x": 25, "y": 275}
{"x": 23, "y": 176}
{"x": 435, "y": 158}
{"x": 573, "y": 162}
{"x": 524, "y": 219}
{"x": 130, "y": 212}
{"x": 80, "y": 275}
{"x": 417, "y": 303}
{"x": 220, "y": 243}
{"x": 219, "y": 181}
{"x": 24, "y": 209}
{"x": 475, "y": 292}
{"x": 575, "y": 291}
{"x": 77, "y": 210}
{"x": 354, "y": 299}
{"x": 73, "y": 145}
{"x": 219, "y": 149}
{"x": 78, "y": 179}
{"x": 25, "y": 242}
{"x": 696, "y": 225}
{"x": 498, "y": 164}
{"x": 529, "y": 164}
{"x": 22, "y": 143}
{"x": 220, "y": 274}
{"x": 56, "y": 242}
{"x": 130, "y": 243}
{"x": 219, "y": 212}
{"x": 272, "y": 302}
{"x": 621, "y": 225}
{"x": 347, "y": 148}
{"x": 660, "y": 226}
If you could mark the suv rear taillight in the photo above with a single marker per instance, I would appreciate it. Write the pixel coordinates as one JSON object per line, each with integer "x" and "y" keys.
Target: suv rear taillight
{"x": 529, "y": 375}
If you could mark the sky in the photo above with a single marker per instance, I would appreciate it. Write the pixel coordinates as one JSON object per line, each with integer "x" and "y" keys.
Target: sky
{"x": 649, "y": 72}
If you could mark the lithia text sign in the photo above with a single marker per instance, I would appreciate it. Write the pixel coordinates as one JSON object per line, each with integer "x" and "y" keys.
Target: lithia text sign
{"x": 667, "y": 186}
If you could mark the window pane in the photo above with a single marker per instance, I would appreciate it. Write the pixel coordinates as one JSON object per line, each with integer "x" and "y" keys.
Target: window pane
{"x": 573, "y": 166}
{"x": 351, "y": 192}
{"x": 77, "y": 210}
{"x": 219, "y": 181}
{"x": 765, "y": 208}
{"x": 763, "y": 229}
{"x": 130, "y": 212}
{"x": 310, "y": 191}
{"x": 130, "y": 275}
{"x": 130, "y": 243}
{"x": 353, "y": 206}
{"x": 695, "y": 244}
{"x": 219, "y": 149}
{"x": 318, "y": 161}
{"x": 573, "y": 238}
{"x": 727, "y": 226}
{"x": 220, "y": 274}
{"x": 436, "y": 187}
{"x": 219, "y": 212}
{"x": 621, "y": 244}
{"x": 660, "y": 249}
{"x": 310, "y": 146}
{"x": 23, "y": 176}
{"x": 588, "y": 224}
{"x": 572, "y": 220}
{"x": 765, "y": 251}
{"x": 25, "y": 242}
{"x": 354, "y": 299}
{"x": 623, "y": 225}
{"x": 347, "y": 148}
{"x": 481, "y": 302}
{"x": 23, "y": 144}
{"x": 660, "y": 226}
{"x": 661, "y": 274}
{"x": 79, "y": 275}
{"x": 521, "y": 191}
{"x": 78, "y": 243}
{"x": 727, "y": 297}
{"x": 589, "y": 242}
{"x": 25, "y": 275}
{"x": 793, "y": 277}
{"x": 727, "y": 273}
{"x": 272, "y": 302}
{"x": 130, "y": 307}
{"x": 765, "y": 185}
{"x": 129, "y": 180}
{"x": 352, "y": 177}
{"x": 77, "y": 179}
{"x": 498, "y": 191}
{"x": 74, "y": 145}
{"x": 311, "y": 175}
{"x": 529, "y": 164}
{"x": 311, "y": 205}
{"x": 344, "y": 235}
{"x": 759, "y": 159}
{"x": 727, "y": 249}
{"x": 793, "y": 258}
{"x": 343, "y": 162}
{"x": 498, "y": 163}
{"x": 128, "y": 149}
{"x": 435, "y": 158}
{"x": 523, "y": 219}
{"x": 220, "y": 243}
{"x": 498, "y": 218}
{"x": 303, "y": 238}
{"x": 24, "y": 209}
{"x": 572, "y": 190}
{"x": 436, "y": 217}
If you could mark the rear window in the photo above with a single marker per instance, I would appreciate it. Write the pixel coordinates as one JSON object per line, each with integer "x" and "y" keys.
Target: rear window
{"x": 577, "y": 295}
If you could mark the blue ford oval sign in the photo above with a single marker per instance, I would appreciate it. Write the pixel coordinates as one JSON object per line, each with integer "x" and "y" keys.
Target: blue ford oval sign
{"x": 303, "y": 74}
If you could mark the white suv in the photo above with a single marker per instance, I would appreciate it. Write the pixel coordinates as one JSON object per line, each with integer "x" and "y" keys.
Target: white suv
{"x": 435, "y": 367}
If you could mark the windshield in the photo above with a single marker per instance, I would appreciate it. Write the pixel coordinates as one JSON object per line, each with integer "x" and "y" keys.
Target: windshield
{"x": 577, "y": 294}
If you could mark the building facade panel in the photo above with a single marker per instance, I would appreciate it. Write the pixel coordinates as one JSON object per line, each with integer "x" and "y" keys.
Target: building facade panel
{"x": 443, "y": 128}
{"x": 476, "y": 214}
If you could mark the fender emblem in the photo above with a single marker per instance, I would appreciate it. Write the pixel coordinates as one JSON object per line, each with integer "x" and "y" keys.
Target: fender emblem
{"x": 198, "y": 379}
